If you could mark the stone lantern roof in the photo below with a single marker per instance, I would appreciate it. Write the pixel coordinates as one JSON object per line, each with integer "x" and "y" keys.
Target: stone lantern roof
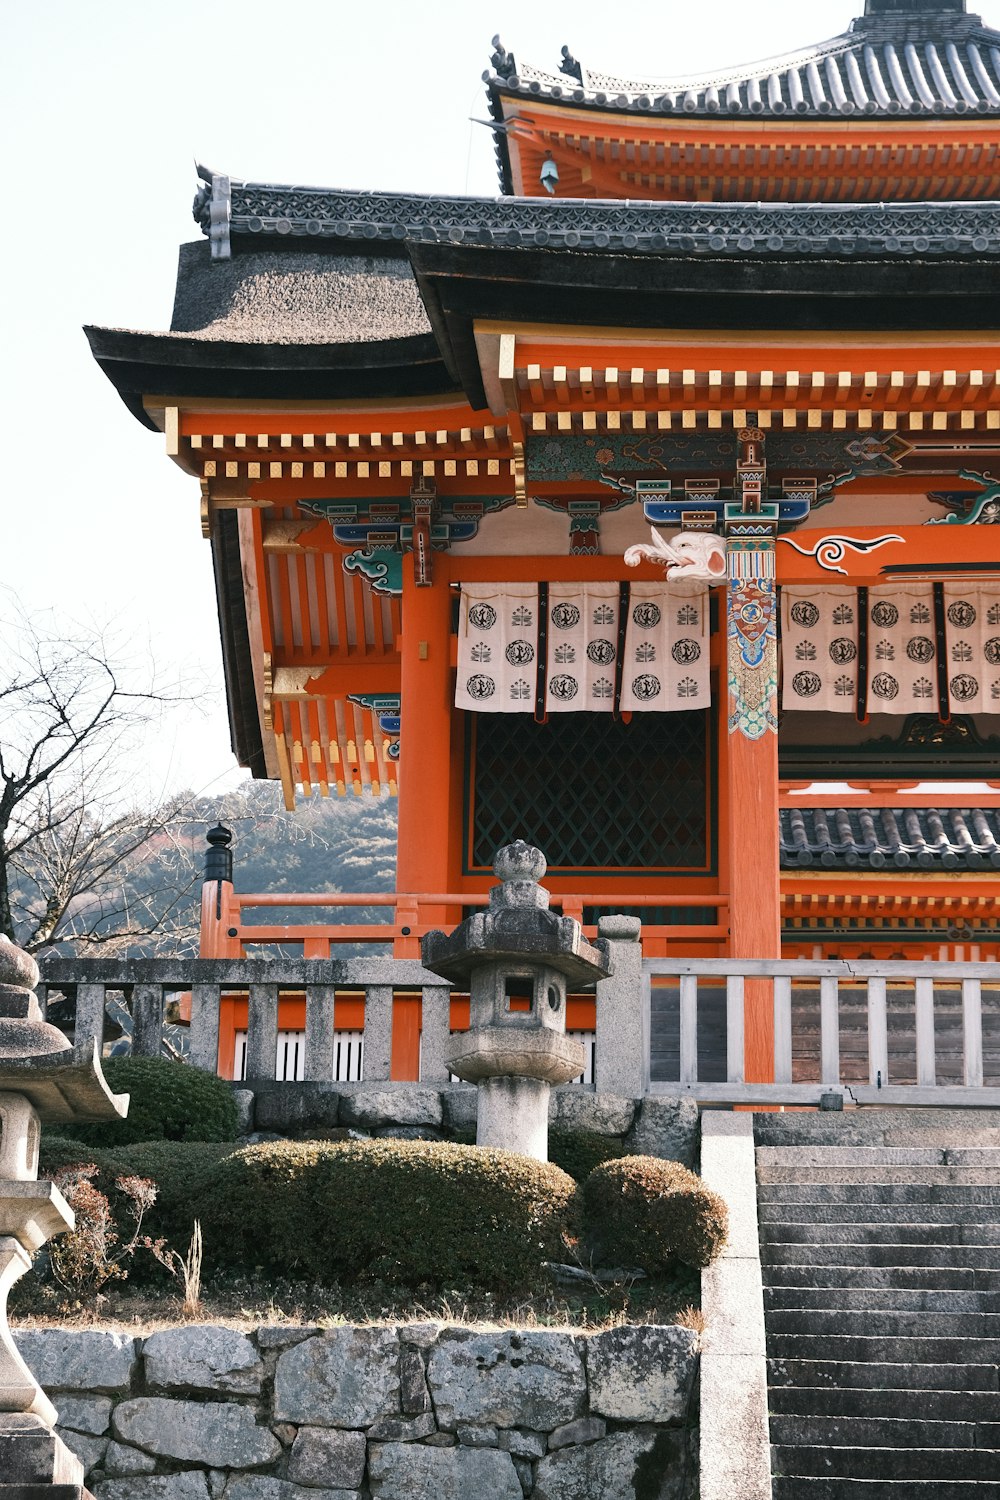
{"x": 61, "y": 1082}
{"x": 516, "y": 927}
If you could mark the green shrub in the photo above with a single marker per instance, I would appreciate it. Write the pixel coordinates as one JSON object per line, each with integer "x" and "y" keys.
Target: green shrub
{"x": 578, "y": 1152}
{"x": 183, "y": 1172}
{"x": 180, "y": 1170}
{"x": 170, "y": 1101}
{"x": 407, "y": 1212}
{"x": 641, "y": 1211}
{"x": 575, "y": 1152}
{"x": 58, "y": 1151}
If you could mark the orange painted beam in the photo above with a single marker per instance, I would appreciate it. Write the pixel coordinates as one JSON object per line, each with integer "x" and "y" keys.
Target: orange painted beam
{"x": 813, "y": 891}
{"x": 935, "y": 548}
{"x": 616, "y": 155}
{"x": 556, "y": 569}
{"x": 363, "y": 675}
{"x": 877, "y": 794}
{"x": 805, "y": 351}
{"x": 726, "y": 132}
{"x": 245, "y": 418}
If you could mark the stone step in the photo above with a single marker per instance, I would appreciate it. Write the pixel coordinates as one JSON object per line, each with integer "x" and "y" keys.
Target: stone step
{"x": 877, "y": 1156}
{"x": 877, "y": 1300}
{"x": 872, "y": 1126}
{"x": 893, "y": 1325}
{"x": 917, "y": 1405}
{"x": 922, "y": 1212}
{"x": 845, "y": 1174}
{"x": 876, "y": 1432}
{"x": 919, "y": 1278}
{"x": 910, "y": 1372}
{"x": 881, "y": 1349}
{"x": 800, "y": 1488}
{"x": 972, "y": 1198}
{"x": 824, "y": 1462}
{"x": 796, "y": 1249}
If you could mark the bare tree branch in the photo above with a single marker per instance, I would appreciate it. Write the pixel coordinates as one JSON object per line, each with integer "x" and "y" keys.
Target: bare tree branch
{"x": 76, "y": 829}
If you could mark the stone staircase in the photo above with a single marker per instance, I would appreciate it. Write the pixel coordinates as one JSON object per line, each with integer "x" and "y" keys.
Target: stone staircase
{"x": 880, "y": 1246}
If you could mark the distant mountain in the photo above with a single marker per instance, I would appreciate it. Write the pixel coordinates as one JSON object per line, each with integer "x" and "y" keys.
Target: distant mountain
{"x": 324, "y": 846}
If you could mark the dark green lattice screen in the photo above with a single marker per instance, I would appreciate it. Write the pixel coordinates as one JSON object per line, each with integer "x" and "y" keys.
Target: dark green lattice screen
{"x": 592, "y": 792}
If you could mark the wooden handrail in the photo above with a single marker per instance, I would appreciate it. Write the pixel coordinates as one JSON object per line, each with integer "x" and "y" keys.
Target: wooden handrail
{"x": 618, "y": 899}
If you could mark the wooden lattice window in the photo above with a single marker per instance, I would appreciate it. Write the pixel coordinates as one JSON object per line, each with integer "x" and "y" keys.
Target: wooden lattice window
{"x": 593, "y": 793}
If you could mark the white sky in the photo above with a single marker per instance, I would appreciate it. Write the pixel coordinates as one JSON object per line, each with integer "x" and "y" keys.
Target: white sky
{"x": 104, "y": 104}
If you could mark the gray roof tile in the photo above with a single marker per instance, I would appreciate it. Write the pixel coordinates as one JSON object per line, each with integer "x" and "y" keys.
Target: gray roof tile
{"x": 923, "y": 61}
{"x": 891, "y": 838}
{"x": 375, "y": 224}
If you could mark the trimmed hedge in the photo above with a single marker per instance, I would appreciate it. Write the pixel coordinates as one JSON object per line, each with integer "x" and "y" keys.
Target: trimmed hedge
{"x": 408, "y": 1212}
{"x": 578, "y": 1152}
{"x": 643, "y": 1211}
{"x": 181, "y": 1170}
{"x": 575, "y": 1152}
{"x": 171, "y": 1101}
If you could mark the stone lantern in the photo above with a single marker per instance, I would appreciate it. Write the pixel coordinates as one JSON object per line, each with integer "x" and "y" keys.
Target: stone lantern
{"x": 42, "y": 1079}
{"x": 517, "y": 958}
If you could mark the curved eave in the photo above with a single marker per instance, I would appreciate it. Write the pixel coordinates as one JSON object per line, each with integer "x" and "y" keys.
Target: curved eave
{"x": 245, "y": 730}
{"x": 888, "y": 67}
{"x": 461, "y": 284}
{"x": 139, "y": 364}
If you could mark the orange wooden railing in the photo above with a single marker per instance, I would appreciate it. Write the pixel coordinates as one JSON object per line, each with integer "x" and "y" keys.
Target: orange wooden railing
{"x": 226, "y": 934}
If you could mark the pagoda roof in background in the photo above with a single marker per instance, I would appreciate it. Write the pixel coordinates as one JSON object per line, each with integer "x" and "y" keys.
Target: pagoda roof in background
{"x": 913, "y": 62}
{"x": 926, "y": 59}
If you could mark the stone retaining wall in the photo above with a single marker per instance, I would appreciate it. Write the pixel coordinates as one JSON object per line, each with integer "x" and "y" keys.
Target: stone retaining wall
{"x": 421, "y": 1412}
{"x": 667, "y": 1127}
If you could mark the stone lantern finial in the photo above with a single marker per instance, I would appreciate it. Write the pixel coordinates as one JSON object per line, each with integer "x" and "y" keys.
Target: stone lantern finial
{"x": 519, "y": 867}
{"x": 519, "y": 861}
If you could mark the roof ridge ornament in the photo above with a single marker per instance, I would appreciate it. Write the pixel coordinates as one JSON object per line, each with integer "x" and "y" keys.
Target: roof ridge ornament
{"x": 570, "y": 66}
{"x": 503, "y": 62}
{"x": 212, "y": 210}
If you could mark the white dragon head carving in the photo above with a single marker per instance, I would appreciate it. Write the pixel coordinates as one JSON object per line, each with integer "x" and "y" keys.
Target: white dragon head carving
{"x": 690, "y": 554}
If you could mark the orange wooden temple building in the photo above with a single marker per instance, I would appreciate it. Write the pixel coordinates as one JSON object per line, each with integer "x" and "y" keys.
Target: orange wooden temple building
{"x": 755, "y": 312}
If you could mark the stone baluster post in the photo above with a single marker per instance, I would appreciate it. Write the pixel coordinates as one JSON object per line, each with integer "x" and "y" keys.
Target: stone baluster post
{"x": 320, "y": 1001}
{"x": 621, "y": 1059}
{"x": 378, "y": 1033}
{"x": 435, "y": 1034}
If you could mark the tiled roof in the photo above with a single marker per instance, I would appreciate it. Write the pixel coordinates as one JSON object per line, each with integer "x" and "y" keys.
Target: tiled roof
{"x": 375, "y": 223}
{"x": 914, "y": 62}
{"x": 880, "y": 837}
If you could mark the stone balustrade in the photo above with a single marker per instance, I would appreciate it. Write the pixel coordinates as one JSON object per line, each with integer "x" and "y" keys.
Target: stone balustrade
{"x": 619, "y": 1066}
{"x": 149, "y": 982}
{"x": 420, "y": 1412}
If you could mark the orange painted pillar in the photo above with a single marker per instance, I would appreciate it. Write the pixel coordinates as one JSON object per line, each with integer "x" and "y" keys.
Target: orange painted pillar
{"x": 424, "y": 860}
{"x": 752, "y": 760}
{"x": 427, "y": 834}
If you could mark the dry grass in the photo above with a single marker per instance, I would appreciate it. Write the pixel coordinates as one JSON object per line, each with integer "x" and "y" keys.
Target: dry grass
{"x": 244, "y": 1303}
{"x": 693, "y": 1318}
